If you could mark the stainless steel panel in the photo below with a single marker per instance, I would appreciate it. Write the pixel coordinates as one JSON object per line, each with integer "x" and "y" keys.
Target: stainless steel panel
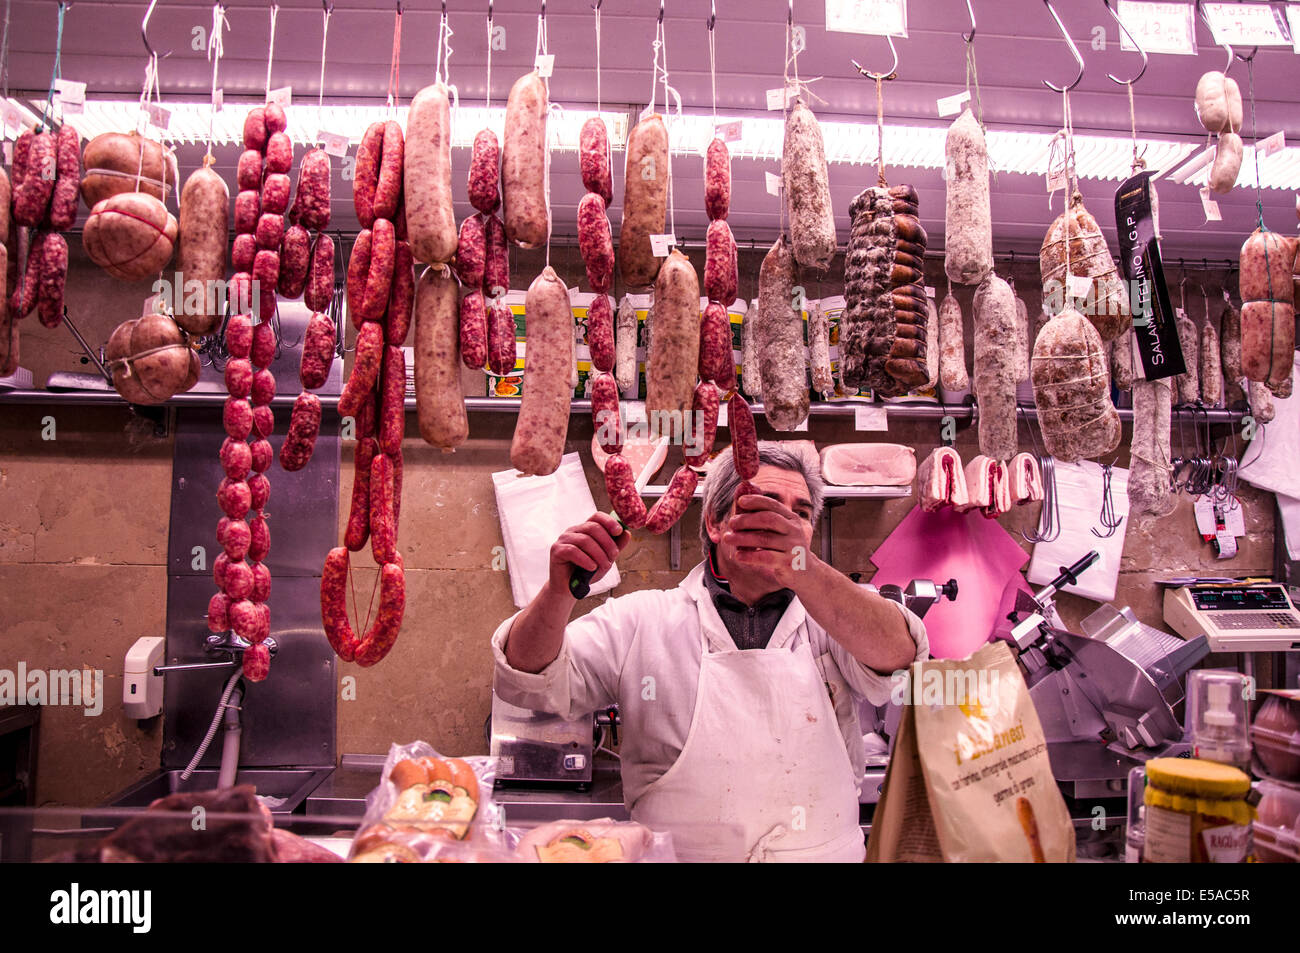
{"x": 289, "y": 719}
{"x": 282, "y": 790}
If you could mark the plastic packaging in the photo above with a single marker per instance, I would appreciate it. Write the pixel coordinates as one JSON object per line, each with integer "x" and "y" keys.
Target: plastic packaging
{"x": 1218, "y": 716}
{"x": 1277, "y": 827}
{"x": 599, "y": 841}
{"x": 425, "y": 802}
{"x": 1276, "y": 735}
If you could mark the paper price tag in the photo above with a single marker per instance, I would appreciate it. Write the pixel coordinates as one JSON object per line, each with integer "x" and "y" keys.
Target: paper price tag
{"x": 1158, "y": 27}
{"x": 1274, "y": 143}
{"x": 333, "y": 143}
{"x": 1056, "y": 180}
{"x": 69, "y": 92}
{"x": 1078, "y": 286}
{"x": 1246, "y": 24}
{"x": 951, "y": 105}
{"x": 661, "y": 245}
{"x": 1226, "y": 544}
{"x": 1293, "y": 20}
{"x": 12, "y": 115}
{"x": 773, "y": 183}
{"x": 282, "y": 97}
{"x": 544, "y": 64}
{"x": 870, "y": 417}
{"x": 776, "y": 98}
{"x": 728, "y": 131}
{"x": 929, "y": 292}
{"x": 1204, "y": 511}
{"x": 801, "y": 426}
{"x": 1210, "y": 207}
{"x": 634, "y": 412}
{"x": 722, "y": 414}
{"x": 1234, "y": 520}
{"x": 870, "y": 17}
{"x": 159, "y": 116}
{"x": 218, "y": 99}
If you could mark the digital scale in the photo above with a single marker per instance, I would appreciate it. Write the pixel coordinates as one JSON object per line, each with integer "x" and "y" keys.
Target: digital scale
{"x": 1258, "y": 617}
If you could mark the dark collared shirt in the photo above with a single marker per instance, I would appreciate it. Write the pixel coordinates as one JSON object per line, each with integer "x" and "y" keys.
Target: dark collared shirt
{"x": 751, "y": 627}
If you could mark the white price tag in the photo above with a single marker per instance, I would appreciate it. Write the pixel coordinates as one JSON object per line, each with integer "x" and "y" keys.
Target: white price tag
{"x": 1293, "y": 21}
{"x": 1246, "y": 24}
{"x": 1158, "y": 27}
{"x": 544, "y": 64}
{"x": 1210, "y": 207}
{"x": 634, "y": 412}
{"x": 871, "y": 17}
{"x": 333, "y": 143}
{"x": 12, "y": 115}
{"x": 870, "y": 417}
{"x": 722, "y": 414}
{"x": 281, "y": 97}
{"x": 73, "y": 109}
{"x": 801, "y": 426}
{"x": 951, "y": 105}
{"x": 728, "y": 131}
{"x": 69, "y": 92}
{"x": 218, "y": 99}
{"x": 661, "y": 245}
{"x": 159, "y": 116}
{"x": 1204, "y": 511}
{"x": 1234, "y": 520}
{"x": 1056, "y": 180}
{"x": 1078, "y": 286}
{"x": 776, "y": 98}
{"x": 1274, "y": 143}
{"x": 773, "y": 183}
{"x": 929, "y": 292}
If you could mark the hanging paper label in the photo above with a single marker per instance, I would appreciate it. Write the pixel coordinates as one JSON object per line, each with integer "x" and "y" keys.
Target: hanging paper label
{"x": 661, "y": 245}
{"x": 1158, "y": 27}
{"x": 801, "y": 425}
{"x": 1203, "y": 509}
{"x": 634, "y": 412}
{"x": 722, "y": 414}
{"x": 218, "y": 100}
{"x": 1234, "y": 520}
{"x": 870, "y": 417}
{"x": 773, "y": 183}
{"x": 1154, "y": 328}
{"x": 1293, "y": 20}
{"x": 281, "y": 97}
{"x": 951, "y": 105}
{"x": 12, "y": 115}
{"x": 1246, "y": 24}
{"x": 69, "y": 92}
{"x": 159, "y": 116}
{"x": 1056, "y": 180}
{"x": 333, "y": 143}
{"x": 929, "y": 292}
{"x": 1274, "y": 143}
{"x": 1210, "y": 207}
{"x": 728, "y": 131}
{"x": 544, "y": 64}
{"x": 1078, "y": 286}
{"x": 777, "y": 98}
{"x": 870, "y": 17}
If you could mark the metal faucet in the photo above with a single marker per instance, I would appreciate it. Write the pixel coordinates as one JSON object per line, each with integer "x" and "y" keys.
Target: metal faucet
{"x": 221, "y": 642}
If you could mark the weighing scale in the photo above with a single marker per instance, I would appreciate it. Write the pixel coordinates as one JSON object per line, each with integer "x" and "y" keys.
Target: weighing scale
{"x": 1256, "y": 617}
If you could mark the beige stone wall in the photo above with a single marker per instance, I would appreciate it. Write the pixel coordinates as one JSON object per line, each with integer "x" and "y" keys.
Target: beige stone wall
{"x": 83, "y": 531}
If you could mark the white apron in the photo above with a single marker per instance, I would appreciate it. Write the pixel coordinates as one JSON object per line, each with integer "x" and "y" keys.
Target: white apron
{"x": 764, "y": 774}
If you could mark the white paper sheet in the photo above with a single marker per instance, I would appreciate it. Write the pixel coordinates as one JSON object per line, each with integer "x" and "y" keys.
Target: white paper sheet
{"x": 534, "y": 511}
{"x": 1079, "y": 490}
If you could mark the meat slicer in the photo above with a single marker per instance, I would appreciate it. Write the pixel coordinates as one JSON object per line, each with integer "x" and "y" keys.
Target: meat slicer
{"x": 1105, "y": 698}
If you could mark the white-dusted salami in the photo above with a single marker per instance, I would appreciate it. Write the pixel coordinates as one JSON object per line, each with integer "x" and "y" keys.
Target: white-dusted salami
{"x": 779, "y": 340}
{"x": 819, "y": 350}
{"x": 1150, "y": 466}
{"x": 967, "y": 220}
{"x": 995, "y": 379}
{"x": 806, "y": 184}
{"x": 952, "y": 345}
{"x": 1107, "y": 299}
{"x": 1188, "y": 383}
{"x": 1072, "y": 390}
{"x": 1211, "y": 372}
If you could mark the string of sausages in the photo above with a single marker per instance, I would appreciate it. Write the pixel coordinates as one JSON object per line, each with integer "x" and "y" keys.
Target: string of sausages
{"x": 381, "y": 296}
{"x": 245, "y": 586}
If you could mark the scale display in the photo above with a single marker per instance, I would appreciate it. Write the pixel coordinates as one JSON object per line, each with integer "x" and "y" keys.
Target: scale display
{"x": 1245, "y": 597}
{"x": 1259, "y": 618}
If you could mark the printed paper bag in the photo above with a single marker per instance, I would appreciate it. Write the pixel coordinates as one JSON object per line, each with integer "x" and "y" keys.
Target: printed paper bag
{"x": 969, "y": 778}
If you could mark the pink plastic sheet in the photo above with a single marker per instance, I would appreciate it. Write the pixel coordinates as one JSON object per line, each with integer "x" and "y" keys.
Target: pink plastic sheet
{"x": 977, "y": 552}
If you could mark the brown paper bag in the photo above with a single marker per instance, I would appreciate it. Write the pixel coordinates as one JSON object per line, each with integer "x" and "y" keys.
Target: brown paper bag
{"x": 969, "y": 778}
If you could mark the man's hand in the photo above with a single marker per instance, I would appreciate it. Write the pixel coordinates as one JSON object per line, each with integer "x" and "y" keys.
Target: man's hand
{"x": 594, "y": 544}
{"x": 765, "y": 534}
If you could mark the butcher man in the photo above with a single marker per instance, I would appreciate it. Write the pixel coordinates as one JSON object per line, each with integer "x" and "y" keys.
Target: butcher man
{"x": 738, "y": 688}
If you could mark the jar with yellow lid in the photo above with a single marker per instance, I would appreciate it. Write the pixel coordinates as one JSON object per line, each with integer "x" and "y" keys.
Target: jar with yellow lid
{"x": 1196, "y": 813}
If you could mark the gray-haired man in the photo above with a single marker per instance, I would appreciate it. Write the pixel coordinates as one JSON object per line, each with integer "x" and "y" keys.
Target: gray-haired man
{"x": 738, "y": 688}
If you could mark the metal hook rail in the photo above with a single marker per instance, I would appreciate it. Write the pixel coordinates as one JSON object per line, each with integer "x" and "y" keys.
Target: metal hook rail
{"x": 1074, "y": 50}
{"x": 1120, "y": 23}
